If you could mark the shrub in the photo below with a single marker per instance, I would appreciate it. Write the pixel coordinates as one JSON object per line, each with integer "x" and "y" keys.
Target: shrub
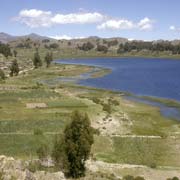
{"x": 38, "y": 132}
{"x": 128, "y": 177}
{"x": 102, "y": 48}
{"x": 43, "y": 151}
{"x": 139, "y": 178}
{"x": 87, "y": 46}
{"x": 2, "y": 75}
{"x": 175, "y": 178}
{"x": 153, "y": 165}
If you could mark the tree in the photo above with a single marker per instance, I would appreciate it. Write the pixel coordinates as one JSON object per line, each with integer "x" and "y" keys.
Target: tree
{"x": 5, "y": 50}
{"x": 54, "y": 46}
{"x": 48, "y": 59}
{"x": 14, "y": 68}
{"x": 15, "y": 53}
{"x": 37, "y": 60}
{"x": 102, "y": 48}
{"x": 86, "y": 46}
{"x": 75, "y": 146}
{"x": 2, "y": 75}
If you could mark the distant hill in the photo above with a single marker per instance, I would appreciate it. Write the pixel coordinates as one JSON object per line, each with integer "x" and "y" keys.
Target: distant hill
{"x": 6, "y": 38}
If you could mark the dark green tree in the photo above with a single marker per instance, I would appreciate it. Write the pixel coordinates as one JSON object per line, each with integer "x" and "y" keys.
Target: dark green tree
{"x": 37, "y": 60}
{"x": 5, "y": 50}
{"x": 48, "y": 59}
{"x": 15, "y": 53}
{"x": 14, "y": 68}
{"x": 75, "y": 145}
{"x": 2, "y": 75}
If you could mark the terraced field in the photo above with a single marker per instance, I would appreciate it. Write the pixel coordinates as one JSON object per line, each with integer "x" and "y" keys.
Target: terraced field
{"x": 130, "y": 133}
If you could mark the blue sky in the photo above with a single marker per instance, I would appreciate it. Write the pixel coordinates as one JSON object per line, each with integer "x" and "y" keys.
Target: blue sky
{"x": 133, "y": 19}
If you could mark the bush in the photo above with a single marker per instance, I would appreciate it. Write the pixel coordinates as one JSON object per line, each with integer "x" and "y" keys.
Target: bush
{"x": 139, "y": 178}
{"x": 102, "y": 48}
{"x": 175, "y": 178}
{"x": 87, "y": 46}
{"x": 38, "y": 132}
{"x": 107, "y": 108}
{"x": 153, "y": 165}
{"x": 43, "y": 151}
{"x": 128, "y": 177}
{"x": 2, "y": 75}
{"x": 54, "y": 46}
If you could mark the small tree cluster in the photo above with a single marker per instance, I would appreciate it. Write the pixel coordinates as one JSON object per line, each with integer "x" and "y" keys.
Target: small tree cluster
{"x": 86, "y": 46}
{"x": 102, "y": 48}
{"x": 14, "y": 68}
{"x": 37, "y": 60}
{"x": 5, "y": 50}
{"x": 48, "y": 59}
{"x": 74, "y": 148}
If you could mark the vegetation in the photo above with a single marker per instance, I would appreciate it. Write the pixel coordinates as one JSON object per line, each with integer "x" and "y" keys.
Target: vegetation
{"x": 14, "y": 69}
{"x": 86, "y": 46}
{"x": 2, "y": 75}
{"x": 150, "y": 46}
{"x": 5, "y": 50}
{"x": 37, "y": 60}
{"x": 15, "y": 53}
{"x": 48, "y": 59}
{"x": 43, "y": 151}
{"x": 102, "y": 48}
{"x": 75, "y": 146}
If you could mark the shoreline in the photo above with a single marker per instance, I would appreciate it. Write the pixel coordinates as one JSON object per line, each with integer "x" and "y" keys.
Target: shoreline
{"x": 160, "y": 102}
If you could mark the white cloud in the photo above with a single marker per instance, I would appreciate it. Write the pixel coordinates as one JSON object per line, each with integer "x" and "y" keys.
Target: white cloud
{"x": 123, "y": 24}
{"x": 35, "y": 18}
{"x": 145, "y": 24}
{"x": 32, "y": 13}
{"x": 38, "y": 18}
{"x": 59, "y": 37}
{"x": 78, "y": 18}
{"x": 174, "y": 28}
{"x": 116, "y": 24}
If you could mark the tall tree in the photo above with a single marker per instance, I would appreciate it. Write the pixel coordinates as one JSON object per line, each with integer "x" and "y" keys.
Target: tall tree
{"x": 37, "y": 60}
{"x": 14, "y": 68}
{"x": 75, "y": 146}
{"x": 15, "y": 53}
{"x": 2, "y": 75}
{"x": 48, "y": 59}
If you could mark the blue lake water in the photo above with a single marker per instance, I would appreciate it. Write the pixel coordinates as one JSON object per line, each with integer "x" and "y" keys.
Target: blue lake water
{"x": 140, "y": 76}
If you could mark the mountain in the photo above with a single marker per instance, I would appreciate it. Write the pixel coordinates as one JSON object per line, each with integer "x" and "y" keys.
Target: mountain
{"x": 6, "y": 38}
{"x": 34, "y": 36}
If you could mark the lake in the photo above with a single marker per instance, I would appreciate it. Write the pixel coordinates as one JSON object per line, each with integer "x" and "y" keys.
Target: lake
{"x": 140, "y": 76}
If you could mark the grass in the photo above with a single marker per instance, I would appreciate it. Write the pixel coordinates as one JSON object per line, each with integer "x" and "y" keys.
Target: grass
{"x": 23, "y": 146}
{"x": 138, "y": 151}
{"x": 61, "y": 99}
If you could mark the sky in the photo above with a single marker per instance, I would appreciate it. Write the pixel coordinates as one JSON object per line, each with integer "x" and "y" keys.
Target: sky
{"x": 132, "y": 19}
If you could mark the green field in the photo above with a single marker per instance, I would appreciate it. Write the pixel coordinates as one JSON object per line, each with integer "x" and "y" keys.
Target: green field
{"x": 117, "y": 143}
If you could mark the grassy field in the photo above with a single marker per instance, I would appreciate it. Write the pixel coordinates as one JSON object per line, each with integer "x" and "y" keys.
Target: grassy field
{"x": 126, "y": 133}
